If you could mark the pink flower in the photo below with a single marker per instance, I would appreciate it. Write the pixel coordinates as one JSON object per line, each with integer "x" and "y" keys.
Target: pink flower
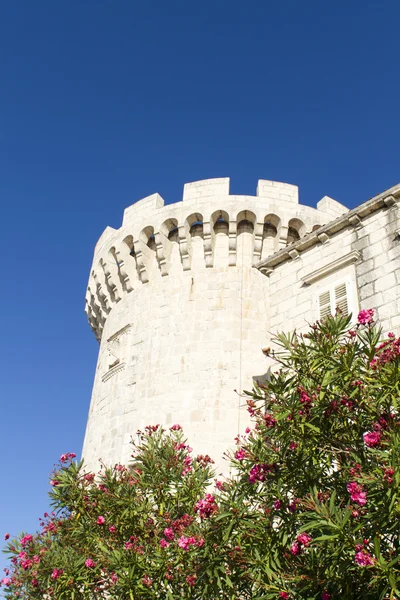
{"x": 259, "y": 472}
{"x": 169, "y": 533}
{"x": 269, "y": 420}
{"x": 366, "y": 316}
{"x": 363, "y": 558}
{"x": 183, "y": 542}
{"x": 7, "y": 536}
{"x": 64, "y": 458}
{"x": 164, "y": 543}
{"x": 277, "y": 504}
{"x": 388, "y": 474}
{"x": 325, "y": 596}
{"x": 206, "y": 506}
{"x": 295, "y": 548}
{"x": 6, "y": 581}
{"x": 54, "y": 482}
{"x": 191, "y": 579}
{"x": 176, "y": 427}
{"x": 100, "y": 520}
{"x": 372, "y": 439}
{"x": 72, "y": 455}
{"x": 304, "y": 539}
{"x": 56, "y": 573}
{"x": 89, "y": 477}
{"x": 284, "y": 595}
{"x": 240, "y": 454}
{"x": 114, "y": 578}
{"x": 147, "y": 581}
{"x": 356, "y": 493}
{"x": 112, "y": 529}
{"x": 89, "y": 563}
{"x": 26, "y": 540}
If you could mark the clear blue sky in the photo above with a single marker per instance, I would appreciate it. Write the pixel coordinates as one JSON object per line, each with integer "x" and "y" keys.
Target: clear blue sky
{"x": 104, "y": 102}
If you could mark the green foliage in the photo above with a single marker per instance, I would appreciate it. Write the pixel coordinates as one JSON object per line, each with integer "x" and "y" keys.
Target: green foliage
{"x": 103, "y": 539}
{"x": 323, "y": 460}
{"x": 311, "y": 512}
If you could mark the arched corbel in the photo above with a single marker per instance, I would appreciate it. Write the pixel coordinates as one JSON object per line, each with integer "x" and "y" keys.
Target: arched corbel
{"x": 183, "y": 248}
{"x": 208, "y": 252}
{"x": 144, "y": 278}
{"x": 160, "y": 254}
{"x": 258, "y": 241}
{"x": 232, "y": 243}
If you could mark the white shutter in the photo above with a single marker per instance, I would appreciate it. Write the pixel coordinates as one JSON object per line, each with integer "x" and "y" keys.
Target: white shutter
{"x": 339, "y": 295}
{"x": 341, "y": 300}
{"x": 324, "y": 304}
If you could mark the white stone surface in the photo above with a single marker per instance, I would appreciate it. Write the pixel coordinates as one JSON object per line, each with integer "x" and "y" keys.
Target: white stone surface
{"x": 374, "y": 276}
{"x": 182, "y": 315}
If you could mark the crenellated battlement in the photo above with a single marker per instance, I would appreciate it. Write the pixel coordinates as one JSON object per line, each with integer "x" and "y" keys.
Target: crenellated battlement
{"x": 209, "y": 229}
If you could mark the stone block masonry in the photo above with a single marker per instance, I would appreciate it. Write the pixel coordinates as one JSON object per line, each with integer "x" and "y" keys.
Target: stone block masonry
{"x": 183, "y": 297}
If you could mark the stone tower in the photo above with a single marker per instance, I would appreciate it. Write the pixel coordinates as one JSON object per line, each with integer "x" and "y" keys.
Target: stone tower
{"x": 181, "y": 315}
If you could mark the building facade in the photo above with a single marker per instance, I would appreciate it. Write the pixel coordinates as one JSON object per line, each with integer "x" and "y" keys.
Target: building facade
{"x": 183, "y": 297}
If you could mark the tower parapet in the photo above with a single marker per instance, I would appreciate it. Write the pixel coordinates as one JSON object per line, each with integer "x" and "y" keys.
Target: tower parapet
{"x": 179, "y": 311}
{"x": 156, "y": 240}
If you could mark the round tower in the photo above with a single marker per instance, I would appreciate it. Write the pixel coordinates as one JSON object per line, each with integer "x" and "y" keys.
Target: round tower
{"x": 181, "y": 315}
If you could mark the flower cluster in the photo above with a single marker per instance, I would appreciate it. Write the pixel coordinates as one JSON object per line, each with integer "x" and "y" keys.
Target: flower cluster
{"x": 302, "y": 540}
{"x": 206, "y": 507}
{"x": 357, "y": 494}
{"x": 259, "y": 472}
{"x": 321, "y": 459}
{"x": 366, "y": 316}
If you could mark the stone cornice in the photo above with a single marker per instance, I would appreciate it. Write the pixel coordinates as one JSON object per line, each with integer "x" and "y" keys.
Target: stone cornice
{"x": 341, "y": 262}
{"x": 353, "y": 219}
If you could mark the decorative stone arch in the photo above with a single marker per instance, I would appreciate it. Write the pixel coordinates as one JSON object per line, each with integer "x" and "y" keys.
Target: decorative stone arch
{"x": 167, "y": 243}
{"x": 271, "y": 235}
{"x": 128, "y": 263}
{"x": 191, "y": 241}
{"x": 296, "y": 230}
{"x": 146, "y": 251}
{"x": 245, "y": 221}
{"x": 245, "y": 230}
{"x": 194, "y": 225}
{"x": 111, "y": 280}
{"x": 122, "y": 272}
{"x": 147, "y": 237}
{"x": 170, "y": 230}
{"x": 315, "y": 227}
{"x": 219, "y": 224}
{"x": 112, "y": 271}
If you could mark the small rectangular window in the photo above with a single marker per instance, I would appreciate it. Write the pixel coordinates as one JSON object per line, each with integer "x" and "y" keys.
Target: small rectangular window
{"x": 336, "y": 297}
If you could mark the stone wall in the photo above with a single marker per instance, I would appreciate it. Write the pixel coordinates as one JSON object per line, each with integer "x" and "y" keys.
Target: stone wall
{"x": 181, "y": 314}
{"x": 362, "y": 250}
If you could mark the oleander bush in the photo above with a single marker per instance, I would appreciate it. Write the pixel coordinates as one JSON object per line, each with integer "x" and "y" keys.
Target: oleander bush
{"x": 311, "y": 510}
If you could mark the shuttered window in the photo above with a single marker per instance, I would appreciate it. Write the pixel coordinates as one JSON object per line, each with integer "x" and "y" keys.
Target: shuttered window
{"x": 335, "y": 297}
